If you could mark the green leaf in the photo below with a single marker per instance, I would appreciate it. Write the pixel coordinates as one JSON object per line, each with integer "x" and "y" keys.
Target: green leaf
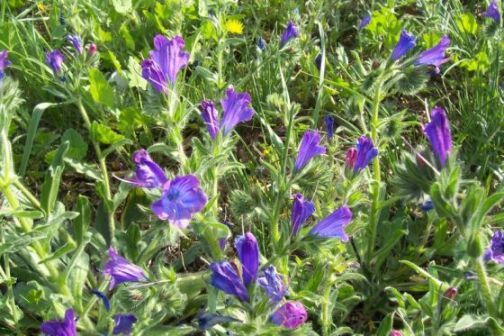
{"x": 78, "y": 147}
{"x": 467, "y": 23}
{"x": 104, "y": 134}
{"x": 100, "y": 89}
{"x": 85, "y": 169}
{"x": 122, "y": 6}
{"x": 60, "y": 252}
{"x": 81, "y": 223}
{"x": 52, "y": 179}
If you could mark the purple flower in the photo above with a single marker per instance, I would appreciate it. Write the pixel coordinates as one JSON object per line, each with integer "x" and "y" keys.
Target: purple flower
{"x": 308, "y": 148}
{"x": 55, "y": 59}
{"x": 435, "y": 56}
{"x": 334, "y": 225}
{"x": 225, "y": 277}
{"x": 359, "y": 157}
{"x": 165, "y": 61}
{"x": 291, "y": 315}
{"x": 301, "y": 210}
{"x": 365, "y": 21}
{"x": 318, "y": 61}
{"x": 236, "y": 108}
{"x": 148, "y": 173}
{"x": 406, "y": 42}
{"x": 76, "y": 42}
{"x": 65, "y": 327}
{"x": 427, "y": 206}
{"x": 451, "y": 293}
{"x": 121, "y": 270}
{"x": 182, "y": 197}
{"x": 92, "y": 49}
{"x": 290, "y": 32}
{"x": 329, "y": 122}
{"x": 273, "y": 284}
{"x": 395, "y": 333}
{"x": 123, "y": 324}
{"x": 493, "y": 12}
{"x": 102, "y": 297}
{"x": 248, "y": 253}
{"x": 495, "y": 252}
{"x": 4, "y": 62}
{"x": 261, "y": 44}
{"x": 209, "y": 115}
{"x": 438, "y": 133}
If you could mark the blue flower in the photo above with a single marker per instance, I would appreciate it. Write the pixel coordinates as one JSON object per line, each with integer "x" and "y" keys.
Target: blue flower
{"x": 225, "y": 277}
{"x": 406, "y": 42}
{"x": 236, "y": 108}
{"x": 273, "y": 284}
{"x": 439, "y": 135}
{"x": 359, "y": 157}
{"x": 329, "y": 122}
{"x": 121, "y": 270}
{"x": 334, "y": 225}
{"x": 4, "y": 63}
{"x": 76, "y": 42}
{"x": 308, "y": 148}
{"x": 435, "y": 56}
{"x": 102, "y": 297}
{"x": 148, "y": 174}
{"x": 248, "y": 253}
{"x": 290, "y": 32}
{"x": 365, "y": 21}
{"x": 210, "y": 117}
{"x": 493, "y": 12}
{"x": 65, "y": 327}
{"x": 182, "y": 197}
{"x": 123, "y": 324}
{"x": 495, "y": 252}
{"x": 301, "y": 210}
{"x": 55, "y": 60}
{"x": 261, "y": 43}
{"x": 291, "y": 315}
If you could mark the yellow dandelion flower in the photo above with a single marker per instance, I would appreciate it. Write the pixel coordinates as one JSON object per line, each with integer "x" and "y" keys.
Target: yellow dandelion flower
{"x": 234, "y": 26}
{"x": 41, "y": 7}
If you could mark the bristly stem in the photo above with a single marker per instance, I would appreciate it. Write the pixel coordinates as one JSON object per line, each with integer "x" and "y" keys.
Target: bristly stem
{"x": 103, "y": 168}
{"x": 373, "y": 219}
{"x": 485, "y": 286}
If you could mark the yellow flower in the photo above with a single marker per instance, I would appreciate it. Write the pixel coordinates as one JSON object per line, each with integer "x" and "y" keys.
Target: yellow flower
{"x": 234, "y": 26}
{"x": 41, "y": 7}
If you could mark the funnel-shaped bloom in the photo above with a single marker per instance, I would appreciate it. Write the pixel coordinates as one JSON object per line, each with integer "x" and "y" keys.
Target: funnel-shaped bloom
{"x": 492, "y": 12}
{"x": 291, "y": 315}
{"x": 236, "y": 109}
{"x": 225, "y": 277}
{"x": 123, "y": 324}
{"x": 76, "y": 41}
{"x": 329, "y": 122}
{"x": 301, "y": 210}
{"x": 439, "y": 135}
{"x": 359, "y": 157}
{"x": 148, "y": 174}
{"x": 92, "y": 49}
{"x": 55, "y": 60}
{"x": 365, "y": 21}
{"x": 435, "y": 56}
{"x": 182, "y": 197}
{"x": 495, "y": 252}
{"x": 4, "y": 63}
{"x": 209, "y": 115}
{"x": 248, "y": 253}
{"x": 290, "y": 32}
{"x": 406, "y": 42}
{"x": 65, "y": 327}
{"x": 334, "y": 225}
{"x": 121, "y": 270}
{"x": 273, "y": 284}
{"x": 165, "y": 61}
{"x": 309, "y": 147}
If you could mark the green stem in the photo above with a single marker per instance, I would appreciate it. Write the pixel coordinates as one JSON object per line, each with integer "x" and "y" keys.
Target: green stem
{"x": 103, "y": 169}
{"x": 325, "y": 316}
{"x": 485, "y": 287}
{"x": 35, "y": 202}
{"x": 373, "y": 220}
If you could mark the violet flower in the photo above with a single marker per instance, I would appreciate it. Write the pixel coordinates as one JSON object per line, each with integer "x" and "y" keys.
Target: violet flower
{"x": 121, "y": 270}
{"x": 55, "y": 60}
{"x": 182, "y": 197}
{"x": 290, "y": 315}
{"x": 365, "y": 21}
{"x": 248, "y": 253}
{"x": 435, "y": 56}
{"x": 65, "y": 327}
{"x": 102, "y": 297}
{"x": 309, "y": 147}
{"x": 492, "y": 12}
{"x": 406, "y": 42}
{"x": 236, "y": 108}
{"x": 495, "y": 252}
{"x": 329, "y": 122}
{"x": 209, "y": 115}
{"x": 225, "y": 278}
{"x": 273, "y": 284}
{"x": 165, "y": 61}
{"x": 76, "y": 42}
{"x": 290, "y": 32}
{"x": 359, "y": 157}
{"x": 123, "y": 324}
{"x": 439, "y": 135}
{"x": 148, "y": 173}
{"x": 92, "y": 49}
{"x": 301, "y": 210}
{"x": 4, "y": 63}
{"x": 395, "y": 332}
{"x": 334, "y": 225}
